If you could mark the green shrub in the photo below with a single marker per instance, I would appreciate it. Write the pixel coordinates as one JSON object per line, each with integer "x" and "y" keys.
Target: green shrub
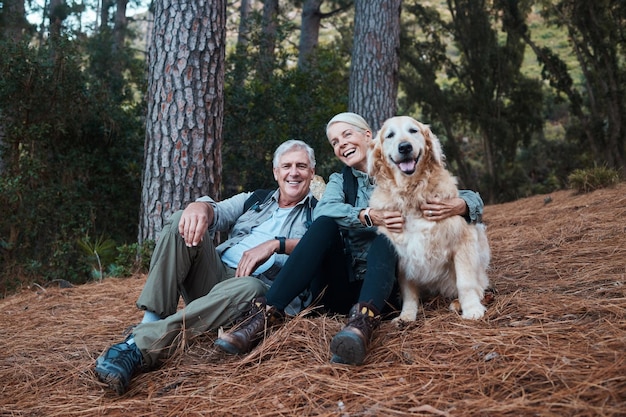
{"x": 132, "y": 259}
{"x": 70, "y": 163}
{"x": 99, "y": 252}
{"x": 253, "y": 129}
{"x": 586, "y": 180}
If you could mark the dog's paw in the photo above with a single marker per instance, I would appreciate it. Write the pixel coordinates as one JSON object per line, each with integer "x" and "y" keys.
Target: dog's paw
{"x": 402, "y": 321}
{"x": 473, "y": 312}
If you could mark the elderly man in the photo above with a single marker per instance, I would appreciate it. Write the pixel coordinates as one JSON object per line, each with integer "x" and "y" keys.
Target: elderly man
{"x": 215, "y": 281}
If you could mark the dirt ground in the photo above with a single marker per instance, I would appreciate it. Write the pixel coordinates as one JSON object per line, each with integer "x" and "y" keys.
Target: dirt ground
{"x": 553, "y": 343}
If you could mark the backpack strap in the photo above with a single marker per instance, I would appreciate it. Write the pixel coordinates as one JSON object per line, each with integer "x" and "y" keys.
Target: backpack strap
{"x": 257, "y": 198}
{"x": 349, "y": 185}
{"x": 309, "y": 212}
{"x": 261, "y": 196}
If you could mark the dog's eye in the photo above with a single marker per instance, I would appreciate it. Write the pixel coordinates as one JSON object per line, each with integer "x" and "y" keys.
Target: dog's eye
{"x": 390, "y": 135}
{"x": 412, "y": 130}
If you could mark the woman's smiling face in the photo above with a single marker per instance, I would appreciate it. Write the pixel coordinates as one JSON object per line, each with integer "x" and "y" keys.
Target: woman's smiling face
{"x": 350, "y": 144}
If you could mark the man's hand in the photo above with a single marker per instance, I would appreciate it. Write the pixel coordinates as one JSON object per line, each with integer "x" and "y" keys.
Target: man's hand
{"x": 195, "y": 221}
{"x": 253, "y": 258}
{"x": 437, "y": 209}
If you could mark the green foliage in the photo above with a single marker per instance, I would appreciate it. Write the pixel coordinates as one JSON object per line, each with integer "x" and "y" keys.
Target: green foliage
{"x": 132, "y": 258}
{"x": 485, "y": 97}
{"x": 70, "y": 161}
{"x": 485, "y": 101}
{"x": 598, "y": 102}
{"x": 99, "y": 252}
{"x": 586, "y": 180}
{"x": 292, "y": 104}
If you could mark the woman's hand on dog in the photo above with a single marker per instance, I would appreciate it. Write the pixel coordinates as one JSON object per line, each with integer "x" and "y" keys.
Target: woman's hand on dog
{"x": 392, "y": 220}
{"x": 437, "y": 209}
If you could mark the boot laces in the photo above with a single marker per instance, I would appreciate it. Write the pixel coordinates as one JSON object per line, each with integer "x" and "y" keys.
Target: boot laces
{"x": 363, "y": 319}
{"x": 125, "y": 357}
{"x": 363, "y": 322}
{"x": 255, "y": 322}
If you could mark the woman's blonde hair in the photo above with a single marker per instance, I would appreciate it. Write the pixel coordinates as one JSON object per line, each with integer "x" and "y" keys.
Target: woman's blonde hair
{"x": 350, "y": 118}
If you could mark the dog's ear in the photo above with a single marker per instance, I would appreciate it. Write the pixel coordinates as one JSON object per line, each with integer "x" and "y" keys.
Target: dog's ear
{"x": 373, "y": 155}
{"x": 433, "y": 143}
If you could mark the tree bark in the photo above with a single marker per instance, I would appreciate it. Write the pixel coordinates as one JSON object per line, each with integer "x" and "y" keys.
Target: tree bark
{"x": 104, "y": 14}
{"x": 240, "y": 67}
{"x": 15, "y": 24}
{"x": 375, "y": 60}
{"x": 268, "y": 39}
{"x": 57, "y": 12}
{"x": 244, "y": 24}
{"x": 185, "y": 109}
{"x": 309, "y": 31}
{"x": 120, "y": 25}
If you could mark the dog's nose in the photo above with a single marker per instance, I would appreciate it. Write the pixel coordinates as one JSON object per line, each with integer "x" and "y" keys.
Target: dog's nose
{"x": 405, "y": 147}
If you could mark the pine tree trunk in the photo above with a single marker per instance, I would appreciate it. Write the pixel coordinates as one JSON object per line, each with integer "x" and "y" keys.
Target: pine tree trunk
{"x": 185, "y": 109}
{"x": 104, "y": 14}
{"x": 244, "y": 25}
{"x": 309, "y": 31}
{"x": 375, "y": 60}
{"x": 14, "y": 23}
{"x": 56, "y": 16}
{"x": 240, "y": 68}
{"x": 268, "y": 39}
{"x": 120, "y": 25}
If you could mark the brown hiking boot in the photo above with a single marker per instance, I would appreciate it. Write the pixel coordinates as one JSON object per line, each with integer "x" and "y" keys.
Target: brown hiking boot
{"x": 252, "y": 329}
{"x": 349, "y": 346}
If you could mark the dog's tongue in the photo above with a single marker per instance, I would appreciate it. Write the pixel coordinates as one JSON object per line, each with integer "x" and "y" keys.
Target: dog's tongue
{"x": 407, "y": 166}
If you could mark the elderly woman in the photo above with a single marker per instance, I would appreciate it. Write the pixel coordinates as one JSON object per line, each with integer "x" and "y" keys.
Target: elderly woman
{"x": 341, "y": 258}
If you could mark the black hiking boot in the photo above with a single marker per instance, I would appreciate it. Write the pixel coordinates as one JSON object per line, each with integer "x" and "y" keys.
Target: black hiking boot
{"x": 350, "y": 345}
{"x": 118, "y": 364}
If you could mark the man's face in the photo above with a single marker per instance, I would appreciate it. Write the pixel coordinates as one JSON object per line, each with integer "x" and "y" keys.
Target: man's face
{"x": 294, "y": 174}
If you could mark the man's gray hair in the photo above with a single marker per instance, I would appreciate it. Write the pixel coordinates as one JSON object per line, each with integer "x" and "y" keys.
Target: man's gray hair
{"x": 293, "y": 145}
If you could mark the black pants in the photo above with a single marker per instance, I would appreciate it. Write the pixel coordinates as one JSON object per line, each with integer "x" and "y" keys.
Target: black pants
{"x": 319, "y": 262}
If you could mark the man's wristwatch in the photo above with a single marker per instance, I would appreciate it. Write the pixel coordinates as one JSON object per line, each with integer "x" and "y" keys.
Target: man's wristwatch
{"x": 368, "y": 219}
{"x": 281, "y": 244}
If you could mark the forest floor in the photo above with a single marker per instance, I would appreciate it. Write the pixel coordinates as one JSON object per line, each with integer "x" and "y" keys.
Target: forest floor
{"x": 552, "y": 343}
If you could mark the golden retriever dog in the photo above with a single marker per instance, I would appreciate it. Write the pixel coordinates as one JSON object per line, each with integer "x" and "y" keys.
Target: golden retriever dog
{"x": 449, "y": 257}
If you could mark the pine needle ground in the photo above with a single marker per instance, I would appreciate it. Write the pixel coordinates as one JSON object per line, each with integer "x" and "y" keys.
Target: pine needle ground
{"x": 552, "y": 343}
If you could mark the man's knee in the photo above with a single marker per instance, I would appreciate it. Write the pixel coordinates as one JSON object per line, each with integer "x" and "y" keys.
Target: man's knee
{"x": 171, "y": 224}
{"x": 245, "y": 288}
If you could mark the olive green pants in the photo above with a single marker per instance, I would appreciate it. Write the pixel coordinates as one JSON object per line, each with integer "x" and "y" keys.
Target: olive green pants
{"x": 213, "y": 296}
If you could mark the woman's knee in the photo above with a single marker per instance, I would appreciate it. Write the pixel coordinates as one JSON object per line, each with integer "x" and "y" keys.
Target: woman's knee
{"x": 324, "y": 231}
{"x": 325, "y": 223}
{"x": 382, "y": 245}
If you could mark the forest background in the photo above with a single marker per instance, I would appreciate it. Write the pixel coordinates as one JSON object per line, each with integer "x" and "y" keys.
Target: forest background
{"x": 522, "y": 93}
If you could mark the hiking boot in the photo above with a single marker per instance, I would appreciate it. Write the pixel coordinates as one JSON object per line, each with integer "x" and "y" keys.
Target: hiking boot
{"x": 349, "y": 346}
{"x": 252, "y": 329}
{"x": 117, "y": 366}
